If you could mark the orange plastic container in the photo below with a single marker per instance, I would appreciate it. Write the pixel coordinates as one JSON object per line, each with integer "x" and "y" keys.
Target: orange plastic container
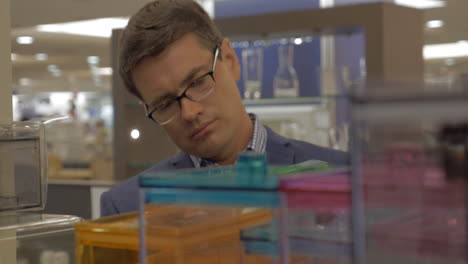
{"x": 174, "y": 234}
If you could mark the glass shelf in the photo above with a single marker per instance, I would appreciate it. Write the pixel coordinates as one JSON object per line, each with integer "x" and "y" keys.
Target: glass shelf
{"x": 293, "y": 101}
{"x": 274, "y": 101}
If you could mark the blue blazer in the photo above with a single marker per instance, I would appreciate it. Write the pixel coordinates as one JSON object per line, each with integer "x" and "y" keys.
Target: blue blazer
{"x": 124, "y": 197}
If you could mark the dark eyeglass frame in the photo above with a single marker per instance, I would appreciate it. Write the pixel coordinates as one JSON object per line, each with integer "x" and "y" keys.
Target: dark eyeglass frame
{"x": 149, "y": 113}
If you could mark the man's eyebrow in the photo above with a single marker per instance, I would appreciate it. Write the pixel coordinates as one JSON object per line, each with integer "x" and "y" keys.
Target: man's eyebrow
{"x": 188, "y": 78}
{"x": 191, "y": 74}
{"x": 156, "y": 102}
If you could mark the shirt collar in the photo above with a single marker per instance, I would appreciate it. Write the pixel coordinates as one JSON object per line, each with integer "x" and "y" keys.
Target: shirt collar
{"x": 257, "y": 143}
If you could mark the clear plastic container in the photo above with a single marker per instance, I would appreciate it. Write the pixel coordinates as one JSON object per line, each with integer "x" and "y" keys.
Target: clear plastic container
{"x": 220, "y": 205}
{"x": 37, "y": 238}
{"x": 23, "y": 170}
{"x": 409, "y": 170}
{"x": 241, "y": 202}
{"x": 26, "y": 236}
{"x": 317, "y": 207}
{"x": 174, "y": 234}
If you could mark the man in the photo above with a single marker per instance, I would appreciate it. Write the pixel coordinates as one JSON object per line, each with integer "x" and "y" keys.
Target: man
{"x": 177, "y": 63}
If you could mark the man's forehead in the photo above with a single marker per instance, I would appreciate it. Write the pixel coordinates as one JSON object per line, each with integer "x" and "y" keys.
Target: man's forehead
{"x": 174, "y": 68}
{"x": 188, "y": 42}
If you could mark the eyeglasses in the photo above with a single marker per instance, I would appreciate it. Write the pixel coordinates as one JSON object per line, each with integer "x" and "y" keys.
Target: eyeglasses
{"x": 196, "y": 91}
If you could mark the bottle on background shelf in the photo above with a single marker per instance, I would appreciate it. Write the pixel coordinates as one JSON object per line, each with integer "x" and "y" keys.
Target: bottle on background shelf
{"x": 286, "y": 82}
{"x": 252, "y": 61}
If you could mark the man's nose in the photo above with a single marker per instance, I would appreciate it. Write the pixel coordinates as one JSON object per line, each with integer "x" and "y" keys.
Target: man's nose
{"x": 189, "y": 110}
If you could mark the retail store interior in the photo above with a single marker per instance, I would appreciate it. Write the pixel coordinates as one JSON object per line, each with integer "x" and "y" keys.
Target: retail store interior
{"x": 383, "y": 80}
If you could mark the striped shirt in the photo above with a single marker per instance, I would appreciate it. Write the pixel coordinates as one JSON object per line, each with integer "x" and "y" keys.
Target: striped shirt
{"x": 257, "y": 143}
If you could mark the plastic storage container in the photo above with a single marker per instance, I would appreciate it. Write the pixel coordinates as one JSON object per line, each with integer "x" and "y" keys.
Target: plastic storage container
{"x": 410, "y": 168}
{"x": 181, "y": 226}
{"x": 248, "y": 193}
{"x": 318, "y": 213}
{"x": 173, "y": 235}
{"x": 23, "y": 175}
{"x": 208, "y": 190}
{"x": 37, "y": 238}
{"x": 315, "y": 210}
{"x": 26, "y": 236}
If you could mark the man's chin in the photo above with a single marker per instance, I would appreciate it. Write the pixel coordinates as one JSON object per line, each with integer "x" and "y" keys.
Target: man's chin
{"x": 207, "y": 153}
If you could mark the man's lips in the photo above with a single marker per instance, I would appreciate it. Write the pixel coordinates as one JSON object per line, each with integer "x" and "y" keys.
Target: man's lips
{"x": 202, "y": 130}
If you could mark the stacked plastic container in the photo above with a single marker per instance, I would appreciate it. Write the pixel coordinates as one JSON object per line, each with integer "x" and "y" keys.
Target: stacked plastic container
{"x": 26, "y": 235}
{"x": 217, "y": 204}
{"x": 255, "y": 200}
{"x": 409, "y": 174}
{"x": 212, "y": 215}
{"x": 318, "y": 215}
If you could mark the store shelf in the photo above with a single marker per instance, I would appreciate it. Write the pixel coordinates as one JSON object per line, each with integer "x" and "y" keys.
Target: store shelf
{"x": 90, "y": 182}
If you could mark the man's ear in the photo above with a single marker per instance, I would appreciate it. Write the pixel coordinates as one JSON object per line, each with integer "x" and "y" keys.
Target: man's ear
{"x": 230, "y": 59}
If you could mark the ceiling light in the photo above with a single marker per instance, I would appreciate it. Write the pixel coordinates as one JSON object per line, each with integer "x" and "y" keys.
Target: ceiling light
{"x": 298, "y": 41}
{"x": 101, "y": 27}
{"x": 93, "y": 60}
{"x": 421, "y": 4}
{"x": 41, "y": 56}
{"x": 209, "y": 6}
{"x": 25, "y": 81}
{"x": 14, "y": 56}
{"x": 52, "y": 67}
{"x": 434, "y": 23}
{"x": 135, "y": 134}
{"x": 450, "y": 62}
{"x": 59, "y": 98}
{"x": 24, "y": 40}
{"x": 326, "y": 3}
{"x": 463, "y": 42}
{"x": 103, "y": 71}
{"x": 447, "y": 50}
{"x": 57, "y": 73}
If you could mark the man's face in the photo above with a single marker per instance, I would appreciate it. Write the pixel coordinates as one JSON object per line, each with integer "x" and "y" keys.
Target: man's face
{"x": 208, "y": 128}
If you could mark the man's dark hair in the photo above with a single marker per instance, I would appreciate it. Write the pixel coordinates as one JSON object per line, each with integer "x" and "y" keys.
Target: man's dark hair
{"x": 156, "y": 26}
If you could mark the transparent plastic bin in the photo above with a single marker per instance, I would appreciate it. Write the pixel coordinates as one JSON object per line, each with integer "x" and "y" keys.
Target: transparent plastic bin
{"x": 221, "y": 200}
{"x": 174, "y": 235}
{"x": 410, "y": 169}
{"x": 217, "y": 206}
{"x": 112, "y": 239}
{"x": 37, "y": 238}
{"x": 318, "y": 208}
{"x": 316, "y": 216}
{"x": 23, "y": 167}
